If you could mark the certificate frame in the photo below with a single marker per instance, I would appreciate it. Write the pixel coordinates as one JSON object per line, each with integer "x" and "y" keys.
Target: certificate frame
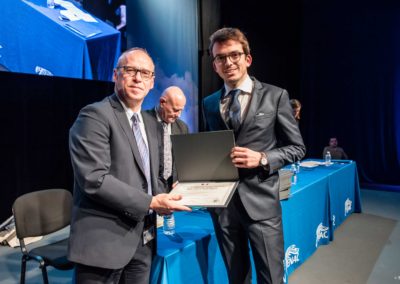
{"x": 206, "y": 174}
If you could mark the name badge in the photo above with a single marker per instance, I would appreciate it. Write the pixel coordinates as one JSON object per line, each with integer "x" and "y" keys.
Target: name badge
{"x": 148, "y": 234}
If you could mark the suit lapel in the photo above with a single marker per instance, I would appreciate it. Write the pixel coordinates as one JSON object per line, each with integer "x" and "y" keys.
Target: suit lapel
{"x": 126, "y": 128}
{"x": 214, "y": 105}
{"x": 221, "y": 92}
{"x": 151, "y": 126}
{"x": 176, "y": 128}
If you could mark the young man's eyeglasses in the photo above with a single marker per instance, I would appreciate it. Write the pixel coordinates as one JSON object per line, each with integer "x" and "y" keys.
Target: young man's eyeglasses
{"x": 132, "y": 71}
{"x": 233, "y": 57}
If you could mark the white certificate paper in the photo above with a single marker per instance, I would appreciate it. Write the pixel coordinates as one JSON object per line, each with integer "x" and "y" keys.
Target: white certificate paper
{"x": 205, "y": 194}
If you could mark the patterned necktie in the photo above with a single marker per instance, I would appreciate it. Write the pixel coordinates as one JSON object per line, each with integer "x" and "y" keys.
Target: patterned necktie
{"x": 143, "y": 150}
{"x": 234, "y": 110}
{"x": 167, "y": 152}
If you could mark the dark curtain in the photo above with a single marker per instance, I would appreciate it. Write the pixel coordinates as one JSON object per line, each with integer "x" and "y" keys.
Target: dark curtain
{"x": 209, "y": 21}
{"x": 349, "y": 64}
{"x": 36, "y": 114}
{"x": 341, "y": 59}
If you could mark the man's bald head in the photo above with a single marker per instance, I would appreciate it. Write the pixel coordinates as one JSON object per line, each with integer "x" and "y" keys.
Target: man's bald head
{"x": 172, "y": 103}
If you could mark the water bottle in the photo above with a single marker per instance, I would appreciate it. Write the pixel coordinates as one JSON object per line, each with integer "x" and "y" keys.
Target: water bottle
{"x": 169, "y": 224}
{"x": 297, "y": 166}
{"x": 50, "y": 4}
{"x": 293, "y": 169}
{"x": 328, "y": 159}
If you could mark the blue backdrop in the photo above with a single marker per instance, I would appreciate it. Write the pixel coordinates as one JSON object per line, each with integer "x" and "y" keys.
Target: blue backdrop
{"x": 168, "y": 31}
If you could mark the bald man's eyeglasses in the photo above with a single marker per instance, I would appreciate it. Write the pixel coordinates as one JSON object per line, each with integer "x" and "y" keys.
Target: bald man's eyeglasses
{"x": 132, "y": 71}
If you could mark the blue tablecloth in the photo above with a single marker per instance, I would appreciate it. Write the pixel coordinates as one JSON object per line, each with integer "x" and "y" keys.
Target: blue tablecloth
{"x": 320, "y": 201}
{"x": 33, "y": 38}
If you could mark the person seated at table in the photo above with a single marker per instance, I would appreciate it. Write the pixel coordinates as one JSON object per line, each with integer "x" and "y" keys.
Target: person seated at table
{"x": 337, "y": 153}
{"x": 296, "y": 106}
{"x": 113, "y": 12}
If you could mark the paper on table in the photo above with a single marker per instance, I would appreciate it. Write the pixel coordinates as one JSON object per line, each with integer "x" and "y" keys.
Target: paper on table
{"x": 69, "y": 15}
{"x": 73, "y": 13}
{"x": 87, "y": 17}
{"x": 311, "y": 164}
{"x": 83, "y": 29}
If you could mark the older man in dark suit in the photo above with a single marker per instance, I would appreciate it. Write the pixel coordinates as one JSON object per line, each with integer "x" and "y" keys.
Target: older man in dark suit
{"x": 167, "y": 113}
{"x": 267, "y": 138}
{"x": 115, "y": 158}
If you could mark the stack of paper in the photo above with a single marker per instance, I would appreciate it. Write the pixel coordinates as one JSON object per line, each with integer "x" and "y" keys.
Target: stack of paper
{"x": 285, "y": 182}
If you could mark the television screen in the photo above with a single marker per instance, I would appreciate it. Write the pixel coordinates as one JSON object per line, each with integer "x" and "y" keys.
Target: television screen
{"x": 75, "y": 39}
{"x": 83, "y": 39}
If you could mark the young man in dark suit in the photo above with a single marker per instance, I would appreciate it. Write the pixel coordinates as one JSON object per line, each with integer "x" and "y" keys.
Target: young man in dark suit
{"x": 115, "y": 158}
{"x": 260, "y": 116}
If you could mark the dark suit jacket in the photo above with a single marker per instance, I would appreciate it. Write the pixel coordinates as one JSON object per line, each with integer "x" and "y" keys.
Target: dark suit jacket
{"x": 178, "y": 127}
{"x": 269, "y": 119}
{"x": 110, "y": 188}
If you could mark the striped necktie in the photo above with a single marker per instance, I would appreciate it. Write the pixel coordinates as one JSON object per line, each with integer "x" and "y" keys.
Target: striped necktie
{"x": 143, "y": 150}
{"x": 167, "y": 152}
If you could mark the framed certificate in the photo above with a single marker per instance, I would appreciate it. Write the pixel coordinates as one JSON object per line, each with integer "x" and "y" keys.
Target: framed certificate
{"x": 206, "y": 174}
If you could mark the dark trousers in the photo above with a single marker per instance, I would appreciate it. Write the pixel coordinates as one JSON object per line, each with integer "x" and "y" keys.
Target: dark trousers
{"x": 136, "y": 271}
{"x": 234, "y": 230}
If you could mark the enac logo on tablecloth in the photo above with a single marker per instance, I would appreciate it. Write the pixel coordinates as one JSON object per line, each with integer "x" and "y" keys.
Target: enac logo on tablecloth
{"x": 321, "y": 233}
{"x": 347, "y": 206}
{"x": 292, "y": 255}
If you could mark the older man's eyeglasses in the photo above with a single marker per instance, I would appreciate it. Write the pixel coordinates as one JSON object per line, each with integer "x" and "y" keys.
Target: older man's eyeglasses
{"x": 233, "y": 57}
{"x": 132, "y": 71}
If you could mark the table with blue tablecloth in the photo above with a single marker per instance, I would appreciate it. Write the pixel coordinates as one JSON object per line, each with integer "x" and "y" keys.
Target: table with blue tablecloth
{"x": 322, "y": 198}
{"x": 36, "y": 39}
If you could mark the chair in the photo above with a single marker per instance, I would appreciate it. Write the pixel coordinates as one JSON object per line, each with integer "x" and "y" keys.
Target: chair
{"x": 41, "y": 213}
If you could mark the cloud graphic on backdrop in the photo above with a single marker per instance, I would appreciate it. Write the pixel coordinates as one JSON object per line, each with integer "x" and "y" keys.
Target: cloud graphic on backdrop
{"x": 189, "y": 88}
